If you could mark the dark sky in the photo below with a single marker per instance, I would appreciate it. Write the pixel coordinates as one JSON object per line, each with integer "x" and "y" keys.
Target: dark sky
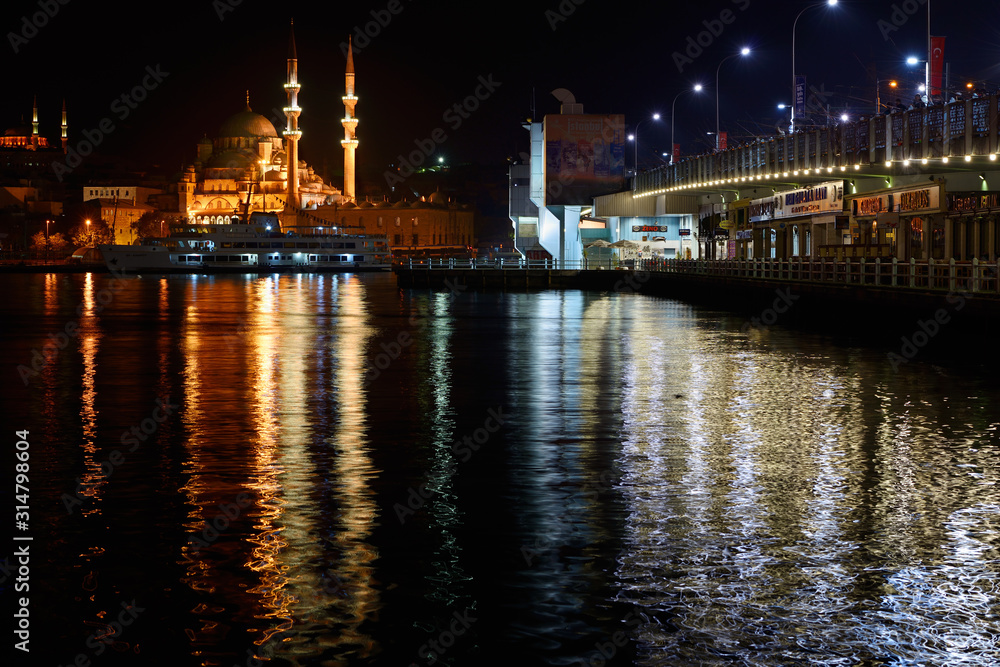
{"x": 614, "y": 57}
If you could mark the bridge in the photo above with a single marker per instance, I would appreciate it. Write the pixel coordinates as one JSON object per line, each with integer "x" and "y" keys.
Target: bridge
{"x": 921, "y": 183}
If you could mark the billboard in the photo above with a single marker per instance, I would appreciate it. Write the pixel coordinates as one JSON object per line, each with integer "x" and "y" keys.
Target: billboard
{"x": 584, "y": 157}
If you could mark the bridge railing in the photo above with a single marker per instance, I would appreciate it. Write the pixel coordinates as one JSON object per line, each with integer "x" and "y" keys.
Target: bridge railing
{"x": 949, "y": 276}
{"x": 969, "y": 127}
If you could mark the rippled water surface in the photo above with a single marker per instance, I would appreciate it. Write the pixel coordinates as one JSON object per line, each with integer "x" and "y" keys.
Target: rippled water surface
{"x": 327, "y": 470}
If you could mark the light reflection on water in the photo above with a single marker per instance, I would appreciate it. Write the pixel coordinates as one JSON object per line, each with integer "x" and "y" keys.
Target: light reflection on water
{"x": 716, "y": 497}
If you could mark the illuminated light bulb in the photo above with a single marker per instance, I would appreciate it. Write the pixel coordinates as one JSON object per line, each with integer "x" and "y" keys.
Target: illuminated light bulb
{"x": 945, "y": 159}
{"x": 888, "y": 163}
{"x": 968, "y": 158}
{"x": 993, "y": 156}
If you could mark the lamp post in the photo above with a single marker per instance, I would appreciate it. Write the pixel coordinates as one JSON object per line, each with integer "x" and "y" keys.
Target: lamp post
{"x": 829, "y": 3}
{"x": 634, "y": 138}
{"x": 673, "y": 106}
{"x": 878, "y": 92}
{"x": 744, "y": 51}
{"x": 89, "y": 240}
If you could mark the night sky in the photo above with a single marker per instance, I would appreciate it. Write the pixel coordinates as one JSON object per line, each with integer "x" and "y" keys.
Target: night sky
{"x": 614, "y": 57}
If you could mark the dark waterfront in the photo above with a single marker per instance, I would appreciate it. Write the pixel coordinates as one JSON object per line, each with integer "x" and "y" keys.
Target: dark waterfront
{"x": 328, "y": 470}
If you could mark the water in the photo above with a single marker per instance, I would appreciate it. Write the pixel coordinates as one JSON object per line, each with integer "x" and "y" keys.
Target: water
{"x": 339, "y": 472}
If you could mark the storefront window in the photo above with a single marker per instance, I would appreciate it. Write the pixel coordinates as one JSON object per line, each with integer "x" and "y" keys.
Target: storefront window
{"x": 916, "y": 237}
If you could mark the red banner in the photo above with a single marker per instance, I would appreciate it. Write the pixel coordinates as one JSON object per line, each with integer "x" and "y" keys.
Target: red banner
{"x": 677, "y": 153}
{"x": 937, "y": 64}
{"x": 722, "y": 141}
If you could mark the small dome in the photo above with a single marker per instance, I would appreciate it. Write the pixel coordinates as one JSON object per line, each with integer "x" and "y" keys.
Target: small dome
{"x": 18, "y": 131}
{"x": 365, "y": 204}
{"x": 438, "y": 197}
{"x": 247, "y": 124}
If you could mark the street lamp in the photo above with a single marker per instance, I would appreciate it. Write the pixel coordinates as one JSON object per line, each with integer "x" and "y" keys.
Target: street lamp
{"x": 744, "y": 51}
{"x": 634, "y": 138}
{"x": 829, "y": 3}
{"x": 673, "y": 105}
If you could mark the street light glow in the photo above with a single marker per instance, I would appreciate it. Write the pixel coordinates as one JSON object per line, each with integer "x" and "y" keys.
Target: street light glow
{"x": 829, "y": 3}
{"x": 744, "y": 51}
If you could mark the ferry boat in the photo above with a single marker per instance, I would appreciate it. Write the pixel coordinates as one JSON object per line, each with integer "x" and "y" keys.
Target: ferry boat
{"x": 255, "y": 246}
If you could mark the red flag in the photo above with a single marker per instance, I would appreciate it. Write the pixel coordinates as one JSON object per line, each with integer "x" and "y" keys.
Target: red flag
{"x": 937, "y": 64}
{"x": 722, "y": 141}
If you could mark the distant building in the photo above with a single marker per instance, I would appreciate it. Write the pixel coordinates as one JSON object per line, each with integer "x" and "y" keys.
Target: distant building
{"x": 574, "y": 158}
{"x": 250, "y": 167}
{"x": 25, "y": 153}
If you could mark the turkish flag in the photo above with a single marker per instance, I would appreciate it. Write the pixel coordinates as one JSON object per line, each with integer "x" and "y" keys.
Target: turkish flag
{"x": 937, "y": 64}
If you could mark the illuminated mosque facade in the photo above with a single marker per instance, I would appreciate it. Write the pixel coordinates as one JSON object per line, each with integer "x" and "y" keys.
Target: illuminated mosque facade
{"x": 249, "y": 166}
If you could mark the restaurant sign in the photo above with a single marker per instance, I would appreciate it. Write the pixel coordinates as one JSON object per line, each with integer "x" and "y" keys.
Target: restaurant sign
{"x": 649, "y": 228}
{"x": 824, "y": 197}
{"x": 973, "y": 202}
{"x": 902, "y": 201}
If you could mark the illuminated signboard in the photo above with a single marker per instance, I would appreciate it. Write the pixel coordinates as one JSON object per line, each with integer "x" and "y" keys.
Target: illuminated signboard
{"x": 821, "y": 198}
{"x": 649, "y": 228}
{"x": 903, "y": 201}
{"x": 973, "y": 201}
{"x": 584, "y": 157}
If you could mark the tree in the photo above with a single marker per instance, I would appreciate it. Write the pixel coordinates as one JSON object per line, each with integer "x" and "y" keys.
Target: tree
{"x": 148, "y": 225}
{"x": 96, "y": 232}
{"x": 54, "y": 242}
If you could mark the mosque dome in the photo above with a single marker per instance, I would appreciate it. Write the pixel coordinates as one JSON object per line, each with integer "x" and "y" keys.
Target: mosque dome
{"x": 247, "y": 124}
{"x": 231, "y": 159}
{"x": 18, "y": 131}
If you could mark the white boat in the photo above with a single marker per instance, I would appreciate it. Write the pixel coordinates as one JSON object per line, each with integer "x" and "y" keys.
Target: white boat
{"x": 254, "y": 246}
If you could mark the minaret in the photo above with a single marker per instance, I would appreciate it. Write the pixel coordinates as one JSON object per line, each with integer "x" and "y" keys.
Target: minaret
{"x": 350, "y": 141}
{"x": 34, "y": 123}
{"x": 292, "y": 132}
{"x": 65, "y": 137}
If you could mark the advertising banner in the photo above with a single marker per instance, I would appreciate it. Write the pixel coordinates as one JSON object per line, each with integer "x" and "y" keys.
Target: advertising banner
{"x": 584, "y": 157}
{"x": 800, "y": 95}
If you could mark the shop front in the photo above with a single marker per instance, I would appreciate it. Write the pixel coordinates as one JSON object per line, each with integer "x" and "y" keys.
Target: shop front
{"x": 902, "y": 223}
{"x": 970, "y": 228}
{"x": 797, "y": 223}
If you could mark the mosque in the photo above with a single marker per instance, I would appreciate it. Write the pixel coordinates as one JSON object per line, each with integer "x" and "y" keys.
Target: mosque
{"x": 250, "y": 167}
